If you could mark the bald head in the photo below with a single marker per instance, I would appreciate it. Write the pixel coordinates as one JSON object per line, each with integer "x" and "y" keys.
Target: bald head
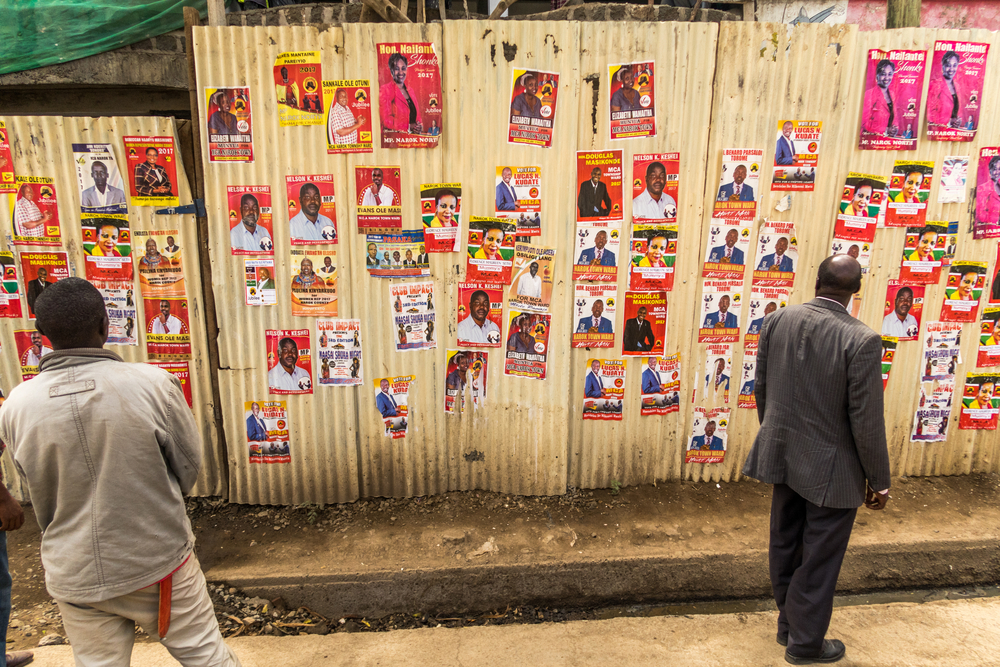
{"x": 838, "y": 278}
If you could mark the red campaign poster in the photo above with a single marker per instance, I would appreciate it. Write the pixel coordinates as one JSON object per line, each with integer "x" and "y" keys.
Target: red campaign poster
{"x": 10, "y": 297}
{"x": 152, "y": 171}
{"x": 298, "y": 88}
{"x": 251, "y": 230}
{"x": 31, "y": 347}
{"x": 661, "y": 384}
{"x": 728, "y": 248}
{"x": 527, "y": 350}
{"x": 168, "y": 329}
{"x": 289, "y": 361}
{"x": 480, "y": 314}
{"x": 986, "y": 223}
{"x": 34, "y": 211}
{"x": 861, "y": 202}
{"x": 777, "y": 255}
{"x": 958, "y": 71}
{"x": 604, "y": 389}
{"x": 465, "y": 370}
{"x": 599, "y": 180}
{"x": 6, "y": 161}
{"x": 107, "y": 244}
{"x": 989, "y": 338}
{"x": 654, "y": 251}
{"x": 903, "y": 309}
{"x": 39, "y": 270}
{"x": 379, "y": 203}
{"x": 722, "y": 304}
{"x": 909, "y": 189}
{"x": 961, "y": 295}
{"x": 655, "y": 182}
{"x": 995, "y": 283}
{"x": 796, "y": 153}
{"x": 349, "y": 121}
{"x": 633, "y": 100}
{"x": 312, "y": 209}
{"x": 518, "y": 193}
{"x": 230, "y": 126}
{"x": 440, "y": 211}
{"x": 980, "y": 402}
{"x": 645, "y": 323}
{"x": 490, "y": 250}
{"x": 409, "y": 95}
{"x": 739, "y": 184}
{"x": 891, "y": 106}
{"x": 532, "y": 107}
{"x": 180, "y": 370}
{"x": 923, "y": 252}
{"x": 267, "y": 430}
{"x": 708, "y": 436}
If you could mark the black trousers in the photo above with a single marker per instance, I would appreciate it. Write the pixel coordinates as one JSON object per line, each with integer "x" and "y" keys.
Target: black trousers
{"x": 806, "y": 551}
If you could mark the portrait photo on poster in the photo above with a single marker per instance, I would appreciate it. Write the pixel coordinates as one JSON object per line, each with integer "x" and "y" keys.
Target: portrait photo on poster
{"x": 861, "y": 203}
{"x": 777, "y": 254}
{"x": 349, "y": 117}
{"x": 152, "y": 169}
{"x": 633, "y": 96}
{"x": 313, "y": 282}
{"x": 401, "y": 254}
{"x": 532, "y": 276}
{"x": 339, "y": 352}
{"x": 490, "y": 250}
{"x": 289, "y": 361}
{"x": 441, "y": 211}
{"x": 903, "y": 309}
{"x": 230, "y": 126}
{"x": 258, "y": 276}
{"x": 660, "y": 385}
{"x": 604, "y": 389}
{"x": 31, "y": 347}
{"x": 891, "y": 104}
{"x": 796, "y": 153}
{"x": 378, "y": 200}
{"x": 414, "y": 316}
{"x": 654, "y": 251}
{"x": 747, "y": 382}
{"x": 34, "y": 211}
{"x": 100, "y": 182}
{"x": 250, "y": 224}
{"x": 107, "y": 244}
{"x": 312, "y": 209}
{"x": 465, "y": 374}
{"x": 923, "y": 252}
{"x": 532, "y": 107}
{"x": 909, "y": 190}
{"x": 298, "y": 88}
{"x": 518, "y": 195}
{"x": 962, "y": 291}
{"x": 480, "y": 314}
{"x": 764, "y": 300}
{"x": 392, "y": 403}
{"x": 599, "y": 180}
{"x": 267, "y": 431}
{"x": 596, "y": 251}
{"x": 986, "y": 222}
{"x": 980, "y": 402}
{"x": 956, "y": 83}
{"x": 409, "y": 95}
{"x": 655, "y": 185}
{"x": 739, "y": 184}
{"x": 527, "y": 347}
{"x": 727, "y": 249}
{"x": 722, "y": 301}
{"x": 161, "y": 269}
{"x": 168, "y": 328}
{"x": 708, "y": 436}
{"x": 10, "y": 290}
{"x": 594, "y": 308}
{"x": 645, "y": 327}
{"x": 39, "y": 270}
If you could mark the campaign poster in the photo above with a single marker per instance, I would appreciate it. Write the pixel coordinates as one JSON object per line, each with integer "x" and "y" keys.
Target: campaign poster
{"x": 313, "y": 282}
{"x": 923, "y": 251}
{"x": 251, "y": 229}
{"x": 891, "y": 105}
{"x": 777, "y": 255}
{"x": 980, "y": 402}
{"x": 633, "y": 100}
{"x": 519, "y": 196}
{"x": 604, "y": 389}
{"x": 6, "y": 161}
{"x": 952, "y": 244}
{"x": 661, "y": 385}
{"x": 258, "y": 275}
{"x": 409, "y": 95}
{"x": 708, "y": 436}
{"x": 289, "y": 361}
{"x": 594, "y": 307}
{"x": 954, "y": 173}
{"x": 994, "y": 296}
{"x": 645, "y": 323}
{"x": 399, "y": 254}
{"x": 748, "y": 380}
{"x": 859, "y": 250}
{"x": 123, "y": 320}
{"x": 941, "y": 350}
{"x": 380, "y": 207}
{"x": 958, "y": 71}
{"x": 718, "y": 372}
{"x": 531, "y": 285}
{"x": 349, "y": 117}
{"x": 655, "y": 182}
{"x": 909, "y": 189}
{"x": 298, "y": 88}
{"x": 180, "y": 370}
{"x": 903, "y": 305}
{"x": 267, "y": 431}
{"x": 989, "y": 338}
{"x": 413, "y": 316}
{"x": 31, "y": 347}
{"x": 440, "y": 211}
{"x": 152, "y": 170}
{"x": 532, "y": 107}
{"x": 739, "y": 184}
{"x": 34, "y": 211}
{"x": 962, "y": 291}
{"x": 490, "y": 255}
{"x": 861, "y": 203}
{"x": 465, "y": 373}
{"x": 527, "y": 349}
{"x": 338, "y": 348}
{"x": 107, "y": 244}
{"x": 796, "y": 153}
{"x": 727, "y": 249}
{"x": 10, "y": 291}
{"x": 599, "y": 180}
{"x": 986, "y": 223}
{"x": 720, "y": 311}
{"x": 654, "y": 251}
{"x": 480, "y": 314}
{"x": 888, "y": 353}
{"x": 312, "y": 209}
{"x": 391, "y": 400}
{"x": 596, "y": 251}
{"x": 764, "y": 300}
{"x": 930, "y": 425}
{"x": 230, "y": 126}
{"x": 168, "y": 328}
{"x": 39, "y": 270}
{"x": 161, "y": 271}
{"x": 102, "y": 188}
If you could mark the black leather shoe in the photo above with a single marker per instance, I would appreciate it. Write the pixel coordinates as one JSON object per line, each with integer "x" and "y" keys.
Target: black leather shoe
{"x": 833, "y": 650}
{"x": 782, "y": 640}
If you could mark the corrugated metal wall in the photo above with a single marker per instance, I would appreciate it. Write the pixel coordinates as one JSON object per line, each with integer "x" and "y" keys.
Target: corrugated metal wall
{"x": 42, "y": 146}
{"x": 719, "y": 86}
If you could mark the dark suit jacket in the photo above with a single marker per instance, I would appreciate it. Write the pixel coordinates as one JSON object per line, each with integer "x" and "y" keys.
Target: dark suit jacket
{"x": 590, "y": 197}
{"x": 34, "y": 289}
{"x": 726, "y": 191}
{"x": 819, "y": 400}
{"x": 254, "y": 432}
{"x": 634, "y": 335}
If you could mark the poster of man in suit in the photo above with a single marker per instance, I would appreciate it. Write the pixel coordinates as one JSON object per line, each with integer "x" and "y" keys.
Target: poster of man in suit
{"x": 39, "y": 270}
{"x": 763, "y": 302}
{"x": 604, "y": 389}
{"x": 721, "y": 303}
{"x": 739, "y": 184}
{"x": 599, "y": 185}
{"x": 796, "y": 153}
{"x": 267, "y": 431}
{"x": 708, "y": 436}
{"x": 777, "y": 255}
{"x": 518, "y": 195}
{"x": 727, "y": 249}
{"x": 596, "y": 252}
{"x": 594, "y": 307}
{"x": 645, "y": 323}
{"x": 718, "y": 373}
{"x": 102, "y": 189}
{"x": 660, "y": 385}
{"x": 10, "y": 299}
{"x": 391, "y": 401}
{"x": 745, "y": 398}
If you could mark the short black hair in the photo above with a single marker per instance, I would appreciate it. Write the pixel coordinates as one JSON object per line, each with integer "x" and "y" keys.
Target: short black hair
{"x": 247, "y": 197}
{"x": 396, "y": 57}
{"x": 69, "y": 311}
{"x": 652, "y": 166}
{"x": 307, "y": 186}
{"x": 899, "y": 294}
{"x": 477, "y": 293}
{"x": 841, "y": 279}
{"x": 281, "y": 343}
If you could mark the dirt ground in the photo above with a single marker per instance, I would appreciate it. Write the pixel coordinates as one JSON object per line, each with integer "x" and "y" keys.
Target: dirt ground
{"x": 477, "y": 526}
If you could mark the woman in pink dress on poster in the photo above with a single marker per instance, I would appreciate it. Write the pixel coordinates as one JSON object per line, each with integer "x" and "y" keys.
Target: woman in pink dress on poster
{"x": 879, "y": 113}
{"x": 396, "y": 106}
{"x": 946, "y": 97}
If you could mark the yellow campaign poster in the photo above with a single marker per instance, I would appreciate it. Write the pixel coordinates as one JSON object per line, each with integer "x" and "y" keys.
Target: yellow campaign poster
{"x": 298, "y": 86}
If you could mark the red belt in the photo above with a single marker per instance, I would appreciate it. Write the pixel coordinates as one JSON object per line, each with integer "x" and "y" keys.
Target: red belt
{"x": 166, "y": 592}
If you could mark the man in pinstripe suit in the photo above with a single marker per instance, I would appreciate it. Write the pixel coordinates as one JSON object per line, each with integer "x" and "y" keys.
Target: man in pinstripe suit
{"x": 821, "y": 438}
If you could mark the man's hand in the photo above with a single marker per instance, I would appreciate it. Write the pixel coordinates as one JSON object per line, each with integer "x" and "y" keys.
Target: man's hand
{"x": 875, "y": 501}
{"x": 11, "y": 514}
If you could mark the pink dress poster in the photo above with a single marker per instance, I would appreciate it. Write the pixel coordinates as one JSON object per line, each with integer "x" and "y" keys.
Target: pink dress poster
{"x": 955, "y": 90}
{"x": 409, "y": 95}
{"x": 986, "y": 223}
{"x": 891, "y": 107}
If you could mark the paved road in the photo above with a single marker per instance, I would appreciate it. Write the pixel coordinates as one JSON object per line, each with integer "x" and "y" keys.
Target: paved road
{"x": 958, "y": 633}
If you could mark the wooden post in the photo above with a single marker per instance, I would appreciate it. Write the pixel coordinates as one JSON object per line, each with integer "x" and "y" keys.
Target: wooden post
{"x": 216, "y": 12}
{"x": 903, "y": 14}
{"x": 191, "y": 19}
{"x": 387, "y": 11}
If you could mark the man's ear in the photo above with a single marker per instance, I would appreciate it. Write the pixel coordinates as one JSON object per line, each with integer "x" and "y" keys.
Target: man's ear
{"x": 105, "y": 323}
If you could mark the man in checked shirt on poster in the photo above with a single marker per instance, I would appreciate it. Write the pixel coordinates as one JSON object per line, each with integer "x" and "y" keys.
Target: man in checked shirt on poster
{"x": 151, "y": 179}
{"x": 343, "y": 126}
